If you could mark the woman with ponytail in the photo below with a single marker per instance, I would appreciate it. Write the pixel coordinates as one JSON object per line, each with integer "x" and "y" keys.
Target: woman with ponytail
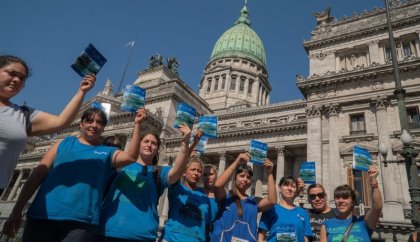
{"x": 237, "y": 220}
{"x": 129, "y": 212}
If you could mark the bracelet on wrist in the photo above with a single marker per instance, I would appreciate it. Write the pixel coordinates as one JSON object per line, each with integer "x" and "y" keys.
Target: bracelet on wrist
{"x": 374, "y": 185}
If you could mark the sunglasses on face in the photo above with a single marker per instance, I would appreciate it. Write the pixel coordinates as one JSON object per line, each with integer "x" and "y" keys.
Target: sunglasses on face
{"x": 321, "y": 195}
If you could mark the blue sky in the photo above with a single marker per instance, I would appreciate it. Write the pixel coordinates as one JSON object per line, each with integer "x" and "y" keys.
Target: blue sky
{"x": 49, "y": 35}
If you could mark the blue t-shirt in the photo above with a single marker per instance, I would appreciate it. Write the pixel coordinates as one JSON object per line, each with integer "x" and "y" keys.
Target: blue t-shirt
{"x": 337, "y": 227}
{"x": 74, "y": 186}
{"x": 286, "y": 224}
{"x": 230, "y": 226}
{"x": 130, "y": 208}
{"x": 189, "y": 214}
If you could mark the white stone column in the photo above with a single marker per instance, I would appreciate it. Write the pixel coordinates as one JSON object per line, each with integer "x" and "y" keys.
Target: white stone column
{"x": 280, "y": 163}
{"x": 15, "y": 186}
{"x": 268, "y": 98}
{"x": 257, "y": 179}
{"x": 334, "y": 155}
{"x": 222, "y": 162}
{"x": 314, "y": 144}
{"x": 255, "y": 89}
{"x": 260, "y": 95}
{"x": 374, "y": 52}
{"x": 392, "y": 206}
{"x": 246, "y": 87}
{"x": 264, "y": 96}
{"x": 417, "y": 42}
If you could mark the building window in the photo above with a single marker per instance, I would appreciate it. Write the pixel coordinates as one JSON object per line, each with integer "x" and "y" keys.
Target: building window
{"x": 357, "y": 124}
{"x": 233, "y": 83}
{"x": 251, "y": 82}
{"x": 222, "y": 87}
{"x": 208, "y": 85}
{"x": 359, "y": 181}
{"x": 242, "y": 85}
{"x": 216, "y": 83}
{"x": 413, "y": 117}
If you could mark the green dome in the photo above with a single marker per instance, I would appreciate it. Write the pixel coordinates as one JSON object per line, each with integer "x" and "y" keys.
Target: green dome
{"x": 240, "y": 41}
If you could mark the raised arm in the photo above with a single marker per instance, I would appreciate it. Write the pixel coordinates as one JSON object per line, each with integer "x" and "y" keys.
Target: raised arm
{"x": 185, "y": 150}
{"x": 323, "y": 234}
{"x": 45, "y": 123}
{"x": 271, "y": 200}
{"x": 123, "y": 158}
{"x": 220, "y": 192}
{"x": 372, "y": 216}
{"x": 12, "y": 224}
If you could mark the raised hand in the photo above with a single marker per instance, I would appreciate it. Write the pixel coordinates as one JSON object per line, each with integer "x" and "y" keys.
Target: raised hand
{"x": 186, "y": 132}
{"x": 268, "y": 165}
{"x": 140, "y": 116}
{"x": 197, "y": 135}
{"x": 87, "y": 83}
{"x": 373, "y": 172}
{"x": 243, "y": 158}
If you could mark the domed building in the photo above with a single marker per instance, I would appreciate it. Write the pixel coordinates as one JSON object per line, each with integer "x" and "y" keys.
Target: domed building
{"x": 236, "y": 74}
{"x": 348, "y": 100}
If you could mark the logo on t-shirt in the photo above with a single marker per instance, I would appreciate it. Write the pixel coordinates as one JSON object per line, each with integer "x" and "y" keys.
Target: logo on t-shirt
{"x": 286, "y": 233}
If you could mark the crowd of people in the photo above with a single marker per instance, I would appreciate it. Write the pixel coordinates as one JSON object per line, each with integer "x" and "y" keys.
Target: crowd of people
{"x": 90, "y": 189}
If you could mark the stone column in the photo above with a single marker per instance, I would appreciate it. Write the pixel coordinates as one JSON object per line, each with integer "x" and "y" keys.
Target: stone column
{"x": 255, "y": 88}
{"x": 280, "y": 163}
{"x": 15, "y": 186}
{"x": 258, "y": 171}
{"x": 314, "y": 145}
{"x": 260, "y": 95}
{"x": 417, "y": 41}
{"x": 222, "y": 162}
{"x": 246, "y": 87}
{"x": 390, "y": 189}
{"x": 263, "y": 97}
{"x": 127, "y": 144}
{"x": 268, "y": 98}
{"x": 374, "y": 52}
{"x": 334, "y": 155}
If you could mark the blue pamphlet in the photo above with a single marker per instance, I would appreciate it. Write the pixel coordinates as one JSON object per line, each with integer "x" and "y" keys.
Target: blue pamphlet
{"x": 307, "y": 172}
{"x": 362, "y": 159}
{"x": 208, "y": 124}
{"x": 258, "y": 152}
{"x": 201, "y": 146}
{"x": 184, "y": 114}
{"x": 105, "y": 107}
{"x": 133, "y": 98}
{"x": 89, "y": 61}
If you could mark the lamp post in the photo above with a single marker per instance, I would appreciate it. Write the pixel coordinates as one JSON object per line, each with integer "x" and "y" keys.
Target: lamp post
{"x": 408, "y": 153}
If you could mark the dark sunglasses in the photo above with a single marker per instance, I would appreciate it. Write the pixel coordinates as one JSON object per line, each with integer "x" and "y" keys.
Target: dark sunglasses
{"x": 321, "y": 195}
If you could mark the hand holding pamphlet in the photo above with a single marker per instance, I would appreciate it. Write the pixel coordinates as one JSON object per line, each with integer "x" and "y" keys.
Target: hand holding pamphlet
{"x": 307, "y": 172}
{"x": 89, "y": 61}
{"x": 133, "y": 98}
{"x": 258, "y": 152}
{"x": 184, "y": 114}
{"x": 362, "y": 159}
{"x": 208, "y": 124}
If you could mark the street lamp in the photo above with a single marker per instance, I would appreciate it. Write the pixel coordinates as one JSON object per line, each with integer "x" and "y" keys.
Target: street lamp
{"x": 408, "y": 153}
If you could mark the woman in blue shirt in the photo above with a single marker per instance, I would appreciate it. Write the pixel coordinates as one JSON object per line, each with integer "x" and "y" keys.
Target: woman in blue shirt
{"x": 189, "y": 207}
{"x": 129, "y": 212}
{"x": 72, "y": 174}
{"x": 285, "y": 221}
{"x": 361, "y": 227}
{"x": 237, "y": 220}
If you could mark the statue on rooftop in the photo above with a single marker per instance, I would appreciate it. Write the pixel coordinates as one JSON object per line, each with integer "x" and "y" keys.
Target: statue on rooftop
{"x": 323, "y": 17}
{"x": 173, "y": 64}
{"x": 155, "y": 61}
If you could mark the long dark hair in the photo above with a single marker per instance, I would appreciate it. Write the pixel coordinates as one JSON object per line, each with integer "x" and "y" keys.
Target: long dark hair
{"x": 241, "y": 168}
{"x": 155, "y": 160}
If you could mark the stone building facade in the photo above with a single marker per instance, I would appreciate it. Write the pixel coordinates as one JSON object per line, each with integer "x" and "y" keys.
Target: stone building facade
{"x": 348, "y": 100}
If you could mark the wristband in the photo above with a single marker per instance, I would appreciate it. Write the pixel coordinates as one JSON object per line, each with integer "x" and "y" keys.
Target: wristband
{"x": 374, "y": 185}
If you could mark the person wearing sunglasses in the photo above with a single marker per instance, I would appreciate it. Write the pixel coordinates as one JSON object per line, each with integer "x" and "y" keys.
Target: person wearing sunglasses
{"x": 346, "y": 226}
{"x": 320, "y": 210}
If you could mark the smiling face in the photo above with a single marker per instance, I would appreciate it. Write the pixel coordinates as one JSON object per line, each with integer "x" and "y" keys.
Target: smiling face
{"x": 317, "y": 199}
{"x": 92, "y": 127}
{"x": 288, "y": 190}
{"x": 193, "y": 174}
{"x": 344, "y": 204}
{"x": 148, "y": 148}
{"x": 209, "y": 176}
{"x": 12, "y": 79}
